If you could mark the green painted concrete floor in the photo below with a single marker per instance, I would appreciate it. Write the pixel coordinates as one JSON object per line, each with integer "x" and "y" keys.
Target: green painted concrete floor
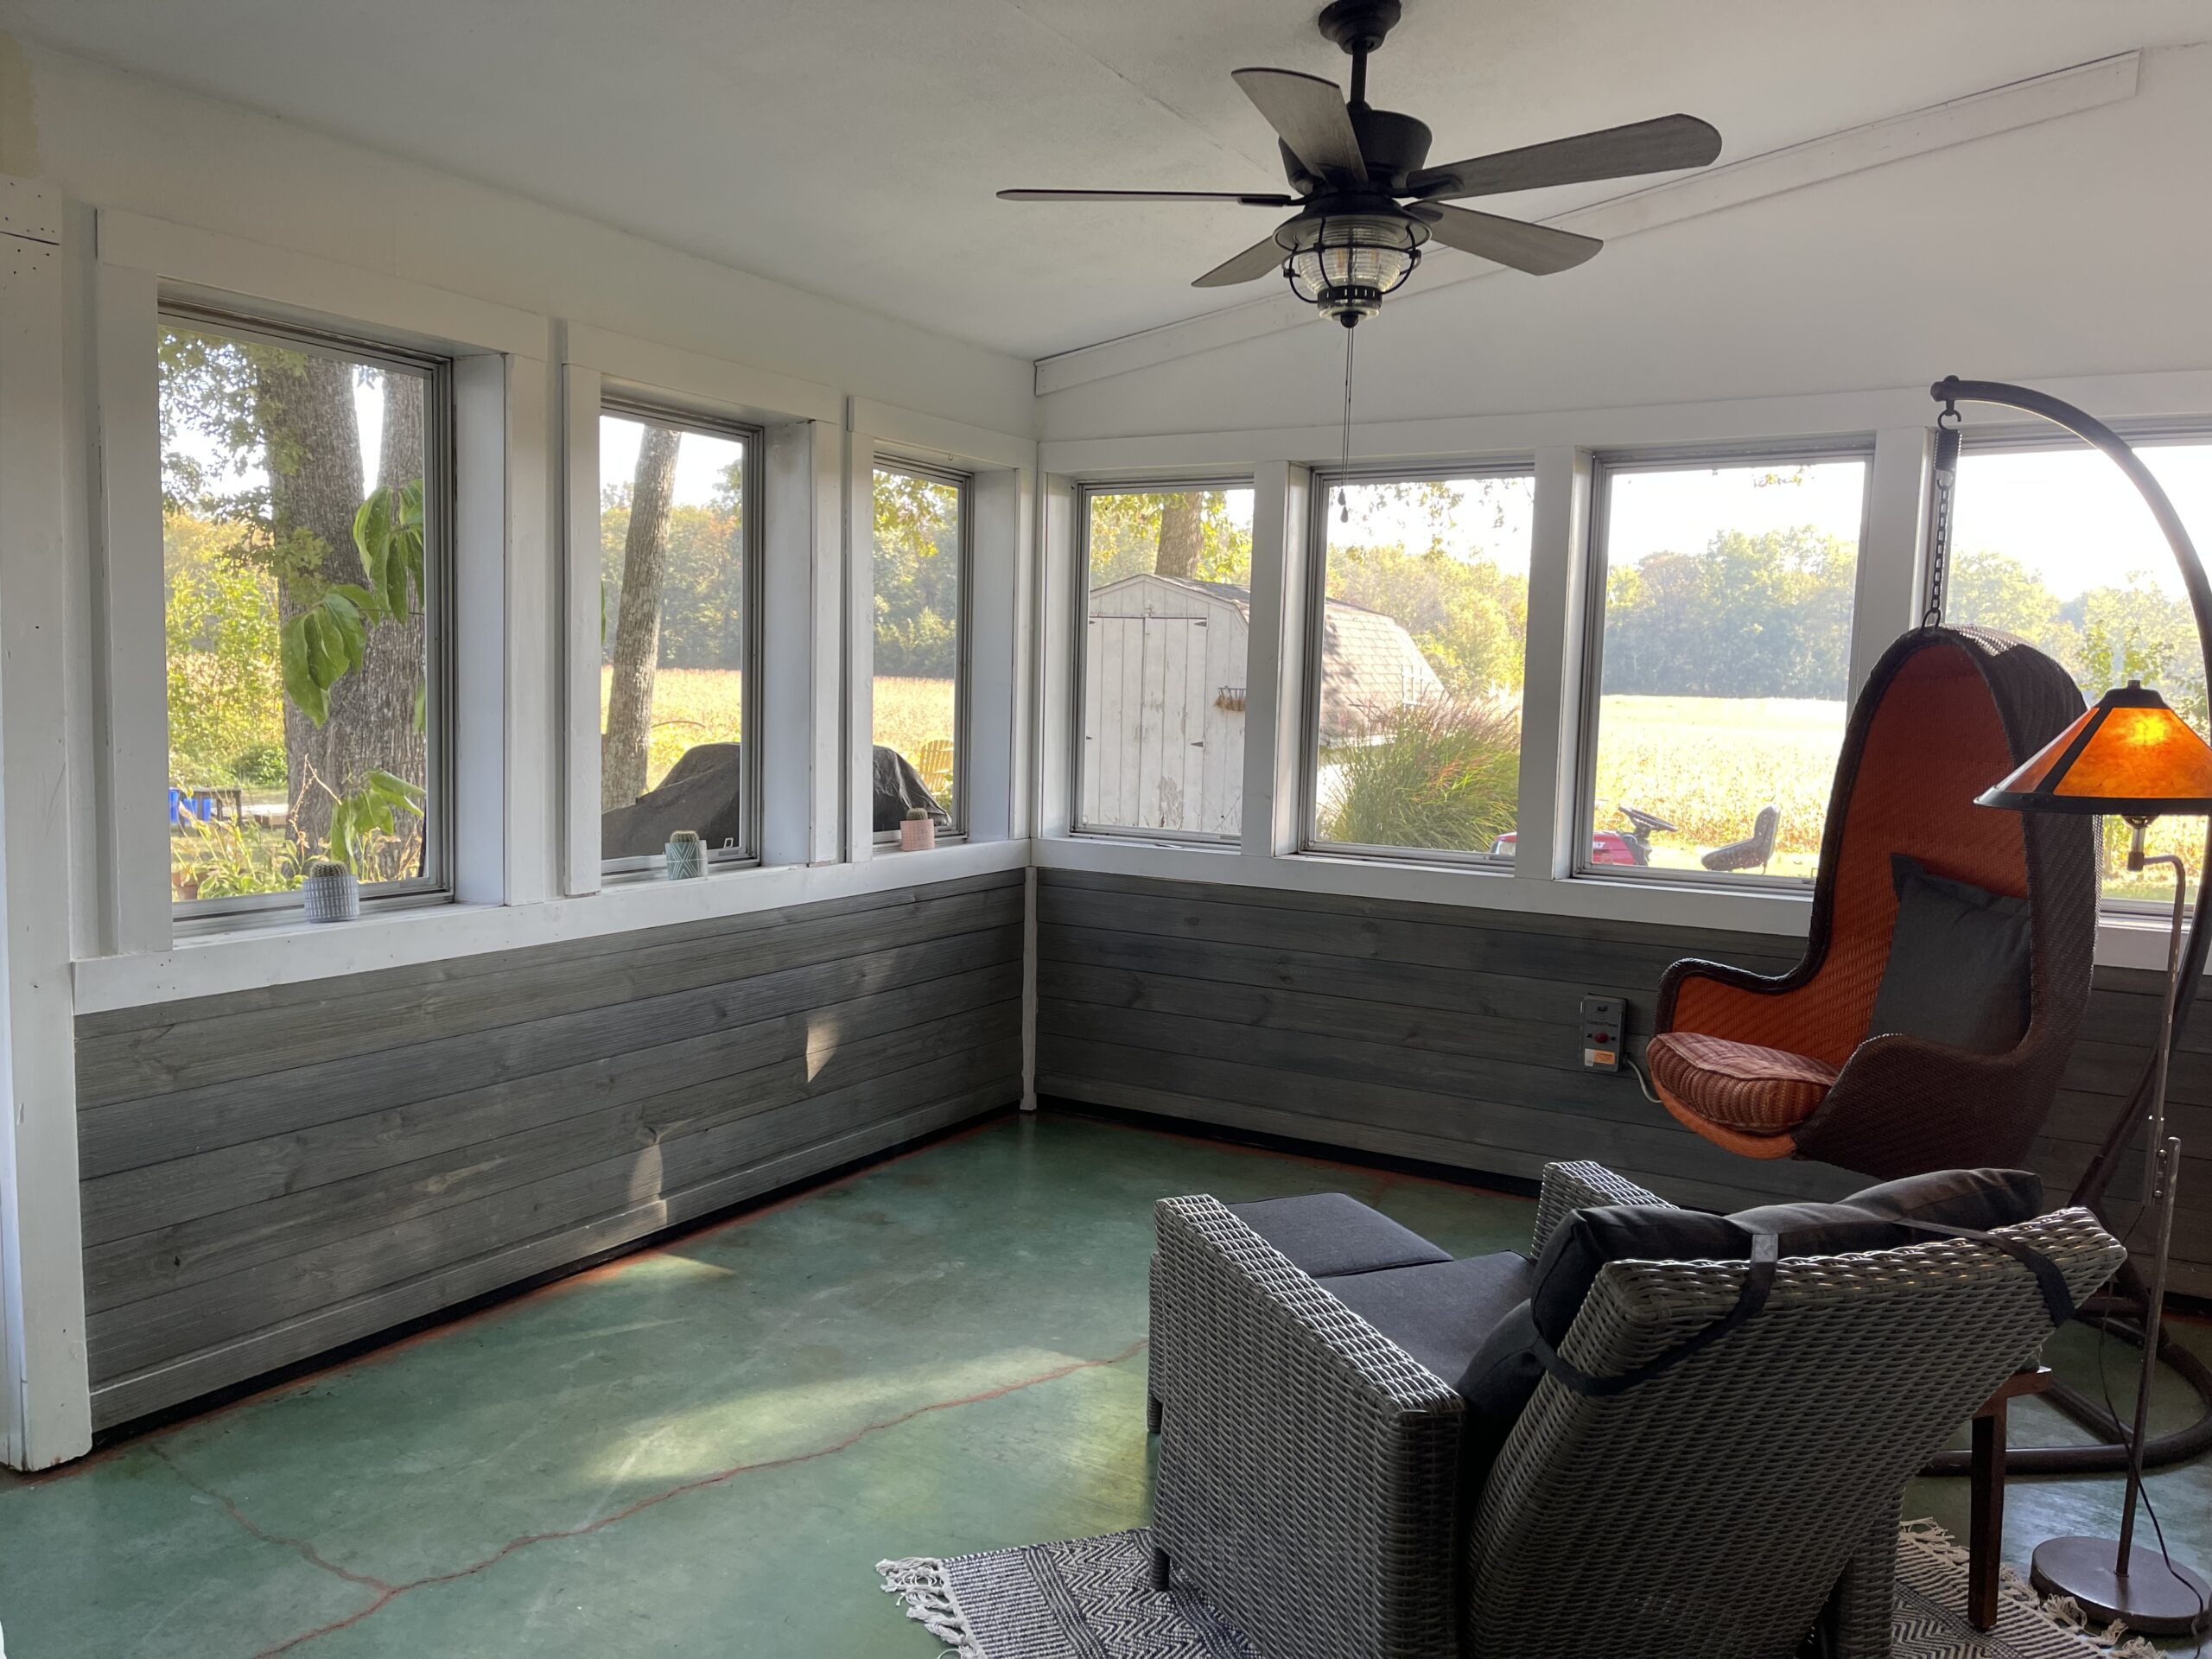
{"x": 704, "y": 1449}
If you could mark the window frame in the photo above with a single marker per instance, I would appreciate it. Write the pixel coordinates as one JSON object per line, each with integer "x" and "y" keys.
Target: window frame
{"x": 745, "y": 856}
{"x": 440, "y": 542}
{"x": 962, "y": 483}
{"x": 2016, "y": 438}
{"x": 1310, "y": 665}
{"x": 1605, "y": 467}
{"x": 1080, "y": 655}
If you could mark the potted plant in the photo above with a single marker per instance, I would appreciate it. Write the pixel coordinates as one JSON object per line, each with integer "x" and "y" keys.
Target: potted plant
{"x": 330, "y": 892}
{"x": 918, "y": 832}
{"x": 686, "y": 857}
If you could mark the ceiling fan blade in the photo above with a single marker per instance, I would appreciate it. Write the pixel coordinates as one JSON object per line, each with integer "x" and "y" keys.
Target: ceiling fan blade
{"x": 1537, "y": 248}
{"x": 1248, "y": 199}
{"x": 1310, "y": 114}
{"x": 1660, "y": 146}
{"x": 1257, "y": 261}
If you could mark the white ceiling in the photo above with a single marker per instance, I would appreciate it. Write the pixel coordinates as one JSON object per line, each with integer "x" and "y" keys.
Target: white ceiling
{"x": 852, "y": 147}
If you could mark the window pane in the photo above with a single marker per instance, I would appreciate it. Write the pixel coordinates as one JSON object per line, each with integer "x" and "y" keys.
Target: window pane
{"x": 672, "y": 621}
{"x": 301, "y": 550}
{"x": 1726, "y": 664}
{"x": 918, "y": 691}
{"x": 1418, "y": 738}
{"x": 2057, "y": 546}
{"x": 1163, "y": 661}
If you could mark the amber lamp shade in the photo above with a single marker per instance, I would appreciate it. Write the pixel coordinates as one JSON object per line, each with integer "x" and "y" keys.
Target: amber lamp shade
{"x": 2130, "y": 756}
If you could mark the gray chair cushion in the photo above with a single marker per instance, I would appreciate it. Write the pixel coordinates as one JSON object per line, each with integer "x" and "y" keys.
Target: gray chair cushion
{"x": 1329, "y": 1234}
{"x": 1440, "y": 1311}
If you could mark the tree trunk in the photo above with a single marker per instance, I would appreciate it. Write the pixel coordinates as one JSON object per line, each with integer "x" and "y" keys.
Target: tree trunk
{"x": 624, "y": 751}
{"x": 395, "y": 667}
{"x": 305, "y": 402}
{"x": 1178, "y": 536}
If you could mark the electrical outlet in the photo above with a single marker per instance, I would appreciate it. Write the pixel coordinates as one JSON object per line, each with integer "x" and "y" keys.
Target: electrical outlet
{"x": 1602, "y": 1037}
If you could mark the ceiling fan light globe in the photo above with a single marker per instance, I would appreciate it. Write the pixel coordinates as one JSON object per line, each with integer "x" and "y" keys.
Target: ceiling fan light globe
{"x": 1343, "y": 265}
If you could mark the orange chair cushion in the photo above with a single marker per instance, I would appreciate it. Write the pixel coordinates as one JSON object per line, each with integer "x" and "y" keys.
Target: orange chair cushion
{"x": 1741, "y": 1085}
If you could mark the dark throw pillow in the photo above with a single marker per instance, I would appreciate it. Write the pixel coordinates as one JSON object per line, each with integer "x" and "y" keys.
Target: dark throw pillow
{"x": 1958, "y": 967}
{"x": 1504, "y": 1371}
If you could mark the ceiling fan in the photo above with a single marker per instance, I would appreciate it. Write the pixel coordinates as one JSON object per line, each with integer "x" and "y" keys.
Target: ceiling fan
{"x": 1367, "y": 202}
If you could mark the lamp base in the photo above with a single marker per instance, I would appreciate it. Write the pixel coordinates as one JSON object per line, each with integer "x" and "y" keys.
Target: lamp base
{"x": 2153, "y": 1598}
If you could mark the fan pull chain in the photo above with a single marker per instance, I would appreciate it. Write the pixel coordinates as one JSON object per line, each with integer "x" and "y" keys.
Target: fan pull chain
{"x": 1344, "y": 506}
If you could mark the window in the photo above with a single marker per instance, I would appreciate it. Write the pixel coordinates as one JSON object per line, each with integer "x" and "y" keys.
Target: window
{"x": 306, "y": 537}
{"x": 921, "y": 681}
{"x": 677, "y": 610}
{"x": 1418, "y": 627}
{"x": 1723, "y": 645}
{"x": 1167, "y": 575}
{"x": 2057, "y": 546}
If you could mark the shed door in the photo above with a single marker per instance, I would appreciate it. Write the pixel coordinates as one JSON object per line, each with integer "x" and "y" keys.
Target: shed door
{"x": 1145, "y": 721}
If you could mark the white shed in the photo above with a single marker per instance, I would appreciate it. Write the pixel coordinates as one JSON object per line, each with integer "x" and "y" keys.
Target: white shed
{"x": 1163, "y": 697}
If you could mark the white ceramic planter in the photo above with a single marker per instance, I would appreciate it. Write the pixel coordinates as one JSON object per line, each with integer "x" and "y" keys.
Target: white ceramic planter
{"x": 687, "y": 858}
{"x": 331, "y": 896}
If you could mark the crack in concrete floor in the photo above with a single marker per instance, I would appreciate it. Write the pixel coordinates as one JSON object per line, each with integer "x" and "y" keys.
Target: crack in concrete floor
{"x": 388, "y": 1592}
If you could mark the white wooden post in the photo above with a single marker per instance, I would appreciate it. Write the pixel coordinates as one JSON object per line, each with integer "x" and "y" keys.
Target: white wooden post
{"x": 1892, "y": 583}
{"x": 1274, "y": 663}
{"x": 1552, "y": 690}
{"x": 46, "y": 1402}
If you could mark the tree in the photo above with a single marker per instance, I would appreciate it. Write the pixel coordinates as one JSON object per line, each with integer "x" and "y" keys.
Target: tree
{"x": 916, "y": 570}
{"x": 1765, "y": 616}
{"x": 625, "y": 751}
{"x": 1181, "y": 539}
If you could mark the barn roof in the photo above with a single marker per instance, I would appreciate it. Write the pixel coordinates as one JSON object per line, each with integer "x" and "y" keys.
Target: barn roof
{"x": 1369, "y": 662}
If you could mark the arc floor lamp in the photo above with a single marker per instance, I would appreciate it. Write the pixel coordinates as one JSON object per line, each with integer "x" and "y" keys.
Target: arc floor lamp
{"x": 2131, "y": 757}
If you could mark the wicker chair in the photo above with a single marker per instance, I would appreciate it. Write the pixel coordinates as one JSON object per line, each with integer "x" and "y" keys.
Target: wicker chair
{"x": 1947, "y": 712}
{"x": 1310, "y": 1481}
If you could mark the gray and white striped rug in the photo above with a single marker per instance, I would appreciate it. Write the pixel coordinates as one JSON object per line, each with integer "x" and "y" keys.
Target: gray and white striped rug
{"x": 1092, "y": 1598}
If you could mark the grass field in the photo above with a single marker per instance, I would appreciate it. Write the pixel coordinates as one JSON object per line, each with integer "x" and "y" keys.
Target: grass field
{"x": 701, "y": 705}
{"x": 1708, "y": 764}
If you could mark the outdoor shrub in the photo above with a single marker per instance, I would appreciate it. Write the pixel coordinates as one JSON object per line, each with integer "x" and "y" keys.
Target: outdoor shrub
{"x": 260, "y": 765}
{"x": 1443, "y": 772}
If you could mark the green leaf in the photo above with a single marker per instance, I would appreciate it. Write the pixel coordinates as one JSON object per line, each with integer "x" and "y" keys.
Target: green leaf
{"x": 308, "y": 695}
{"x": 409, "y": 794}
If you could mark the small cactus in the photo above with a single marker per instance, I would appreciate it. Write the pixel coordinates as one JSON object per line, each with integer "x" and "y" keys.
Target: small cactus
{"x": 327, "y": 867}
{"x": 917, "y": 814}
{"x": 685, "y": 835}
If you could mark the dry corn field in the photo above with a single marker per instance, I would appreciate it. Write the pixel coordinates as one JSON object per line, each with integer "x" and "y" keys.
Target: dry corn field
{"x": 700, "y": 705}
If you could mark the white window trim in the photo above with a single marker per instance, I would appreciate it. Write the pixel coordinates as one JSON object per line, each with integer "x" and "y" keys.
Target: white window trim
{"x": 619, "y": 405}
{"x": 1267, "y": 648}
{"x": 441, "y": 399}
{"x": 795, "y": 535}
{"x": 1309, "y": 749}
{"x": 499, "y": 378}
{"x": 998, "y": 600}
{"x": 1597, "y": 556}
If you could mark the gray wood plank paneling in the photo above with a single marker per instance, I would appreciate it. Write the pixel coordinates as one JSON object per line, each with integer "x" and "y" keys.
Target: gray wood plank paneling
{"x": 223, "y": 1045}
{"x": 270, "y": 1173}
{"x": 1448, "y": 1034}
{"x": 188, "y": 1120}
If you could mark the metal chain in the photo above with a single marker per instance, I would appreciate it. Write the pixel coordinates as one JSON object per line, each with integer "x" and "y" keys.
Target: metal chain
{"x": 1344, "y": 506}
{"x": 1939, "y": 537}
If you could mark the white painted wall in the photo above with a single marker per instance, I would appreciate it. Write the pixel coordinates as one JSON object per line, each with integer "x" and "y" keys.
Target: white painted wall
{"x": 2073, "y": 247}
{"x": 120, "y": 141}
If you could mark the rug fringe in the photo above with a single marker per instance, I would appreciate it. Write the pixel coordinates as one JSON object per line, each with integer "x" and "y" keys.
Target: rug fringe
{"x": 2062, "y": 1610}
{"x": 921, "y": 1585}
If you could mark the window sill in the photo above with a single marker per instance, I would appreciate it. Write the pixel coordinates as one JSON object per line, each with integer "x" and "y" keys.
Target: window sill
{"x": 297, "y": 952}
